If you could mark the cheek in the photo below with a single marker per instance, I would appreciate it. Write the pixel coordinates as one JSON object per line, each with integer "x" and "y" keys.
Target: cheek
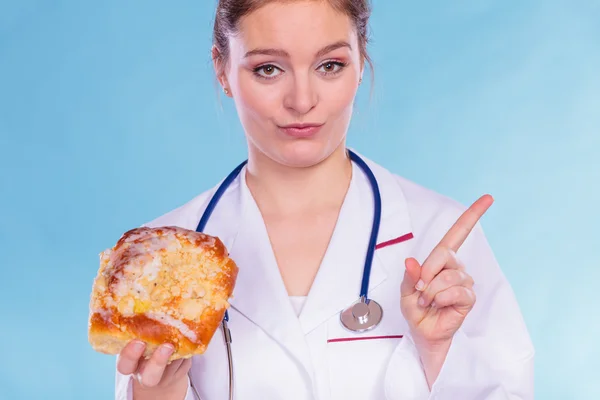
{"x": 340, "y": 99}
{"x": 255, "y": 103}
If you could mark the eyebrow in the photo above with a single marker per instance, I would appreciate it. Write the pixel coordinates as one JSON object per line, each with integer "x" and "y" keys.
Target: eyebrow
{"x": 282, "y": 53}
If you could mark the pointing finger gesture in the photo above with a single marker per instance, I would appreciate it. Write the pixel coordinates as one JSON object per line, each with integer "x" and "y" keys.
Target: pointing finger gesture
{"x": 437, "y": 296}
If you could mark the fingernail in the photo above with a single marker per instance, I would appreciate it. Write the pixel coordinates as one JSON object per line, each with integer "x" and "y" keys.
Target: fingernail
{"x": 166, "y": 349}
{"x": 420, "y": 285}
{"x": 433, "y": 304}
{"x": 138, "y": 345}
{"x": 421, "y": 301}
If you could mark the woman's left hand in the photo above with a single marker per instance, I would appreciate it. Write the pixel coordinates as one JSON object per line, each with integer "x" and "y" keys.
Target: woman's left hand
{"x": 437, "y": 296}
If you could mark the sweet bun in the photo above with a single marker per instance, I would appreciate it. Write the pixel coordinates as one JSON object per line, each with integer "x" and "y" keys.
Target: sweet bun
{"x": 161, "y": 285}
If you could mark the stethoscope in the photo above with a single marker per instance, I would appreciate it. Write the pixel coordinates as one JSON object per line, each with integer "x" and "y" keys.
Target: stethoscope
{"x": 365, "y": 314}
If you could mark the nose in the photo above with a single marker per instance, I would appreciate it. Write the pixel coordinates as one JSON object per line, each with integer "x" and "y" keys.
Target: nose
{"x": 301, "y": 97}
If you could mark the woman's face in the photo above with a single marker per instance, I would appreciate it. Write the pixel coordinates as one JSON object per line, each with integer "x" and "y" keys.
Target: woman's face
{"x": 293, "y": 72}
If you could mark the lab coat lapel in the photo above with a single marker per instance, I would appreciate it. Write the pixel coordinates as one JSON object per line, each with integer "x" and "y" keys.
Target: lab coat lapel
{"x": 260, "y": 294}
{"x": 337, "y": 284}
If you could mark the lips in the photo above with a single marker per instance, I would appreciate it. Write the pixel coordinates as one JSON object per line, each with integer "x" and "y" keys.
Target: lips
{"x": 301, "y": 130}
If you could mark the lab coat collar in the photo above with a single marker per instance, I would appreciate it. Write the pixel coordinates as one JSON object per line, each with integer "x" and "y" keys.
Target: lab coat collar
{"x": 338, "y": 281}
{"x": 260, "y": 294}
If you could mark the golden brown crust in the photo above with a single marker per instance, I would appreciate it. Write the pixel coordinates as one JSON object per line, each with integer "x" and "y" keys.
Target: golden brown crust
{"x": 161, "y": 285}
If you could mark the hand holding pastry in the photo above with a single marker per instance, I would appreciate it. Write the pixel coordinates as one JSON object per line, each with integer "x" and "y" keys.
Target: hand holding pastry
{"x": 154, "y": 377}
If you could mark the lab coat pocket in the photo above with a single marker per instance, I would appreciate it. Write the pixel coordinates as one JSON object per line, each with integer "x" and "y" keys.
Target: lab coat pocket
{"x": 358, "y": 361}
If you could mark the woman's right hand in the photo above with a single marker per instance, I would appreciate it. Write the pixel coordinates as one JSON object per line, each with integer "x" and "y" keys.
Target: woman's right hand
{"x": 154, "y": 378}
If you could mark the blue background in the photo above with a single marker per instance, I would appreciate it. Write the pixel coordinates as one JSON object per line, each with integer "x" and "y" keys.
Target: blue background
{"x": 109, "y": 117}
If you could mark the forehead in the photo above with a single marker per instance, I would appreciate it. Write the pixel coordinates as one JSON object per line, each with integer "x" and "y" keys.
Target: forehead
{"x": 295, "y": 25}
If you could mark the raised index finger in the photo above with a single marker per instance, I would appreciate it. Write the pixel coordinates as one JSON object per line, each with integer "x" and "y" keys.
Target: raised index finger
{"x": 461, "y": 229}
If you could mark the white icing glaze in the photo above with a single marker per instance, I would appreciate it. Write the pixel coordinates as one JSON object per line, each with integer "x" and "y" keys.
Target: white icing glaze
{"x": 126, "y": 307}
{"x": 152, "y": 269}
{"x": 110, "y": 302}
{"x": 135, "y": 262}
{"x": 121, "y": 289}
{"x": 105, "y": 314}
{"x": 177, "y": 324}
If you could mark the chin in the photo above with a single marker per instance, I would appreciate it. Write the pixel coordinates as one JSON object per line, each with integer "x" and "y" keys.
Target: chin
{"x": 302, "y": 153}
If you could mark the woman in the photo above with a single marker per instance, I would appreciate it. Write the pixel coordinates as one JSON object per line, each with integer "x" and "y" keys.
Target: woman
{"x": 297, "y": 220}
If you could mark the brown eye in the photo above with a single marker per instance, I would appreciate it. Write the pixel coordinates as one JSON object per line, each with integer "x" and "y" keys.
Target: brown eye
{"x": 331, "y": 67}
{"x": 267, "y": 71}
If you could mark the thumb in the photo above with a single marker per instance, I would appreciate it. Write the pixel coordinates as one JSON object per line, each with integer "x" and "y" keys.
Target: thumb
{"x": 412, "y": 273}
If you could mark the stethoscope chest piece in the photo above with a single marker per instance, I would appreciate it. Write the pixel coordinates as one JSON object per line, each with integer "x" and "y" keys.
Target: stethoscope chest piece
{"x": 362, "y": 316}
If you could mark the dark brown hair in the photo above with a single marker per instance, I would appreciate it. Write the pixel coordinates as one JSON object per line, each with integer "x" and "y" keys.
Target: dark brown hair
{"x": 229, "y": 13}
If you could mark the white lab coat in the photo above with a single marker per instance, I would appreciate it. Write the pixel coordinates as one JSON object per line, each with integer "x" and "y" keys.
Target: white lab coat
{"x": 278, "y": 355}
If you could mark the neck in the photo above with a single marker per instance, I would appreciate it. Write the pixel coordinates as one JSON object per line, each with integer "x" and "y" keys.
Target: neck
{"x": 282, "y": 189}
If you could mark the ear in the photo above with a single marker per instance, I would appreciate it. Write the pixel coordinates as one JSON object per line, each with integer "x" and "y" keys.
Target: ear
{"x": 362, "y": 70}
{"x": 219, "y": 67}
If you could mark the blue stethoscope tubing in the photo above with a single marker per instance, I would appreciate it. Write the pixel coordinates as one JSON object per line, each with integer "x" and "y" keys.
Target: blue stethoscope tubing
{"x": 354, "y": 318}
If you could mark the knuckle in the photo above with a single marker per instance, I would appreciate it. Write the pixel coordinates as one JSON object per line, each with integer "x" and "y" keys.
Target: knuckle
{"x": 463, "y": 277}
{"x": 454, "y": 259}
{"x": 472, "y": 295}
{"x": 467, "y": 294}
{"x": 449, "y": 277}
{"x": 470, "y": 280}
{"x": 442, "y": 298}
{"x": 450, "y": 255}
{"x": 460, "y": 263}
{"x": 457, "y": 294}
{"x": 428, "y": 297}
{"x": 443, "y": 252}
